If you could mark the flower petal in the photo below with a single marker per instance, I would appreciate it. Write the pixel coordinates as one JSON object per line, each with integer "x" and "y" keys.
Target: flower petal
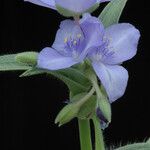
{"x": 90, "y": 29}
{"x": 50, "y": 59}
{"x": 77, "y": 6}
{"x": 123, "y": 42}
{"x": 44, "y": 3}
{"x": 114, "y": 79}
{"x": 93, "y": 31}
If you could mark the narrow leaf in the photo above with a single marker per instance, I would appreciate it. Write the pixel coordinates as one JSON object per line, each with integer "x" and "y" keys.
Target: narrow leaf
{"x": 112, "y": 12}
{"x": 8, "y": 63}
{"x": 74, "y": 79}
{"x": 136, "y": 146}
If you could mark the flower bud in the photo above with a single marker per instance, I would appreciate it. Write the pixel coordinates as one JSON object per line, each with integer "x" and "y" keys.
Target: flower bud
{"x": 67, "y": 114}
{"x": 29, "y": 58}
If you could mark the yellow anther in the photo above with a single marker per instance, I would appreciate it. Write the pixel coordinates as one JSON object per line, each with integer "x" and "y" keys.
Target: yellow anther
{"x": 79, "y": 35}
{"x": 66, "y": 40}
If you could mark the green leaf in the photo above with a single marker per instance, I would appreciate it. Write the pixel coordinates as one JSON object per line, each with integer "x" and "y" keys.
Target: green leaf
{"x": 29, "y": 58}
{"x": 136, "y": 146}
{"x": 112, "y": 12}
{"x": 8, "y": 63}
{"x": 74, "y": 79}
{"x": 148, "y": 141}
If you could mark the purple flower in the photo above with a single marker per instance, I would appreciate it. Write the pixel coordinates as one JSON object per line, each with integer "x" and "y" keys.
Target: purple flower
{"x": 119, "y": 43}
{"x": 106, "y": 48}
{"x": 76, "y": 6}
{"x": 72, "y": 43}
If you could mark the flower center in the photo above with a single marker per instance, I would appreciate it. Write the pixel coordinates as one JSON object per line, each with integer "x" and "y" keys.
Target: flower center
{"x": 103, "y": 51}
{"x": 72, "y": 45}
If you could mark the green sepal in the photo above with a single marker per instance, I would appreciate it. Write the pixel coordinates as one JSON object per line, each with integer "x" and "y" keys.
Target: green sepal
{"x": 8, "y": 63}
{"x": 105, "y": 108}
{"x": 136, "y": 146}
{"x": 105, "y": 105}
{"x": 29, "y": 58}
{"x": 112, "y": 12}
{"x": 68, "y": 13}
{"x": 69, "y": 112}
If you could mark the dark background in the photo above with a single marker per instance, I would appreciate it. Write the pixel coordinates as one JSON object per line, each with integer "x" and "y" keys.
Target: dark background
{"x": 27, "y": 103}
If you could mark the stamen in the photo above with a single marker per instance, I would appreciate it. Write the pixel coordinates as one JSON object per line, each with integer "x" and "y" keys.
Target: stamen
{"x": 104, "y": 51}
{"x": 66, "y": 40}
{"x": 74, "y": 42}
{"x": 72, "y": 45}
{"x": 79, "y": 35}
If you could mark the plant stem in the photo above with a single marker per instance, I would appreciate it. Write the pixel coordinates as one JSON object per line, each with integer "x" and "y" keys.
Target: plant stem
{"x": 99, "y": 141}
{"x": 95, "y": 85}
{"x": 85, "y": 134}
